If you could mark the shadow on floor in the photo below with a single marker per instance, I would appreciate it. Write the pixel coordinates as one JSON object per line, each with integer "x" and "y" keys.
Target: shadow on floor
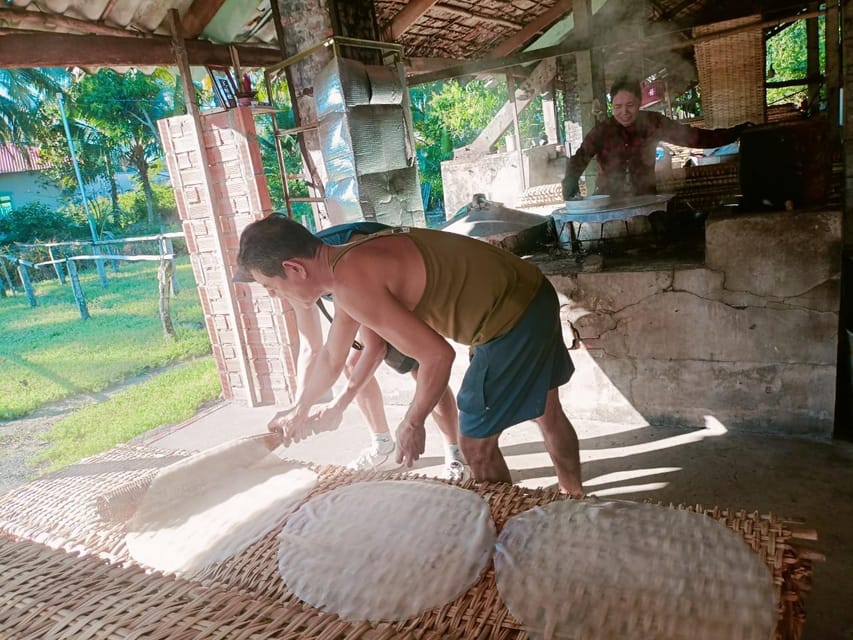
{"x": 798, "y": 479}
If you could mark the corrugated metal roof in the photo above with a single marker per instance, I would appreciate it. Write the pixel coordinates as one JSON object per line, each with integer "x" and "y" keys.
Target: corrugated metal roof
{"x": 14, "y": 160}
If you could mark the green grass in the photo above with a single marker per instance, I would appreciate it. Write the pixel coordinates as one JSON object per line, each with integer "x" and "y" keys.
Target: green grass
{"x": 167, "y": 398}
{"x": 48, "y": 352}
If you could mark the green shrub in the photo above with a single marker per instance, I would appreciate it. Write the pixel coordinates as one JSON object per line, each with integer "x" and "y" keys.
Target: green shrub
{"x": 37, "y": 222}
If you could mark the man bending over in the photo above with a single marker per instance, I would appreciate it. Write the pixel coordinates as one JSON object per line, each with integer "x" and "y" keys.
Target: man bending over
{"x": 414, "y": 288}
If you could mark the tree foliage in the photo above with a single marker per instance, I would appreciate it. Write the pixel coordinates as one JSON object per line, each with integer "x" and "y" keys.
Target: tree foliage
{"x": 787, "y": 55}
{"x": 21, "y": 92}
{"x": 125, "y": 108}
{"x": 450, "y": 115}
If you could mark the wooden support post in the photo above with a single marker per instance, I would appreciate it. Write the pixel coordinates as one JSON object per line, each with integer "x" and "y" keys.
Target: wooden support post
{"x": 253, "y": 396}
{"x": 25, "y": 281}
{"x": 79, "y": 298}
{"x": 813, "y": 62}
{"x": 550, "y": 116}
{"x": 510, "y": 87}
{"x": 590, "y": 96}
{"x": 833, "y": 68}
{"x": 164, "y": 281}
{"x": 57, "y": 266}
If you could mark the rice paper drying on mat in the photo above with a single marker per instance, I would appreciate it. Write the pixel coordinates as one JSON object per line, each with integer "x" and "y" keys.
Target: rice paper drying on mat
{"x": 386, "y": 550}
{"x": 212, "y": 505}
{"x": 596, "y": 570}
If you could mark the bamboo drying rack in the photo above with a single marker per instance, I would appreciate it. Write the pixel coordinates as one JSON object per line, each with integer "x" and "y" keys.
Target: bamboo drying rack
{"x": 65, "y": 571}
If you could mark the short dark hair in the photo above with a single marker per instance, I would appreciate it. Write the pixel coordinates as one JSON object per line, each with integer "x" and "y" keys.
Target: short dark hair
{"x": 626, "y": 84}
{"x": 266, "y": 243}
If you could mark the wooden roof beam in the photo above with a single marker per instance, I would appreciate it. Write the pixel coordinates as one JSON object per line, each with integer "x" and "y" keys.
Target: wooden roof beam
{"x": 199, "y": 15}
{"x": 32, "y": 50}
{"x": 539, "y": 23}
{"x": 15, "y": 18}
{"x": 407, "y": 17}
{"x": 463, "y": 13}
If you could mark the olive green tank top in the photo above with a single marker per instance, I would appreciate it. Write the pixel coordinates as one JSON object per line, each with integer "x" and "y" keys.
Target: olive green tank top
{"x": 474, "y": 292}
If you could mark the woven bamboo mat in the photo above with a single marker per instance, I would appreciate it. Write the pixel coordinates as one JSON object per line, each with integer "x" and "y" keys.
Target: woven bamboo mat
{"x": 47, "y": 592}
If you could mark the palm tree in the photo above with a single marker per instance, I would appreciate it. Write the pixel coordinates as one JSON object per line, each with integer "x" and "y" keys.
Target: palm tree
{"x": 21, "y": 92}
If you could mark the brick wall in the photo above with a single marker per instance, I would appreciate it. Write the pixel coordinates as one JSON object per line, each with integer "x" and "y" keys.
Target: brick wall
{"x": 251, "y": 335}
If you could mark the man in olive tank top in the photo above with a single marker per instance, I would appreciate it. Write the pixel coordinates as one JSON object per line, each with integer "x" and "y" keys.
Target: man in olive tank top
{"x": 416, "y": 288}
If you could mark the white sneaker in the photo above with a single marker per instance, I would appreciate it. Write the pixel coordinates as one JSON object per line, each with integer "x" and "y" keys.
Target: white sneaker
{"x": 372, "y": 459}
{"x": 455, "y": 471}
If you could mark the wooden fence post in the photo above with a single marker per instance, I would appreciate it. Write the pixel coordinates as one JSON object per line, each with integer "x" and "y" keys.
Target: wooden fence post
{"x": 6, "y": 278}
{"x": 168, "y": 248}
{"x": 111, "y": 250}
{"x": 28, "y": 286}
{"x": 99, "y": 264}
{"x": 77, "y": 289}
{"x": 164, "y": 279}
{"x": 57, "y": 266}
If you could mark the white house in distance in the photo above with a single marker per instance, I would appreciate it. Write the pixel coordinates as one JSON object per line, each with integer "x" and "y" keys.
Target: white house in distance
{"x": 22, "y": 181}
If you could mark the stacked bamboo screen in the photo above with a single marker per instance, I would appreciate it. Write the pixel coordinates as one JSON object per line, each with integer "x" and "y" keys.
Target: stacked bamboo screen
{"x": 52, "y": 592}
{"x": 731, "y": 74}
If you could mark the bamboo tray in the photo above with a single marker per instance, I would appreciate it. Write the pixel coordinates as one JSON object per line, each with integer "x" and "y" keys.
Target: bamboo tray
{"x": 65, "y": 572}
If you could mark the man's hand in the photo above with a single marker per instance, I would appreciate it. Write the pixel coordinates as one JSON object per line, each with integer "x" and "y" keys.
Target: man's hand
{"x": 327, "y": 418}
{"x": 571, "y": 189}
{"x": 411, "y": 441}
{"x": 288, "y": 425}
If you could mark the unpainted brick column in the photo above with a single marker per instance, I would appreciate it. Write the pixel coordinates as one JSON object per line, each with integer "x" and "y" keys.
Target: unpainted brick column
{"x": 218, "y": 192}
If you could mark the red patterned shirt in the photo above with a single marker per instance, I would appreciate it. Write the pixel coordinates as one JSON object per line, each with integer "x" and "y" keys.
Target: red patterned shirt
{"x": 626, "y": 155}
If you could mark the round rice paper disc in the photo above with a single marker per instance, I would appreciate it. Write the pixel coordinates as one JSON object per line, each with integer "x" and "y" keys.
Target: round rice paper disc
{"x": 212, "y": 505}
{"x": 386, "y": 550}
{"x": 601, "y": 570}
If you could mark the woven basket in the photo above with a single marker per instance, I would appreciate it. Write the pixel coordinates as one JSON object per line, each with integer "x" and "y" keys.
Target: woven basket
{"x": 51, "y": 593}
{"x": 731, "y": 73}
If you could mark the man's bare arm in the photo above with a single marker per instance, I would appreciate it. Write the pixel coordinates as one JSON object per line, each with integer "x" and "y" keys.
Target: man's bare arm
{"x": 369, "y": 360}
{"x": 310, "y": 342}
{"x": 373, "y": 305}
{"x": 320, "y": 374}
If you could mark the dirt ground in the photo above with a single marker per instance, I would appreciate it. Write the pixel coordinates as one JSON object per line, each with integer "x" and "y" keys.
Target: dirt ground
{"x": 22, "y": 440}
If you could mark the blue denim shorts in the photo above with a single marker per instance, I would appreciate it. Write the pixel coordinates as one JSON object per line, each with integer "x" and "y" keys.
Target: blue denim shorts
{"x": 508, "y": 378}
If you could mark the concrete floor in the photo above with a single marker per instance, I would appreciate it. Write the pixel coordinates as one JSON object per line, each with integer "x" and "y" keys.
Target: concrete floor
{"x": 809, "y": 480}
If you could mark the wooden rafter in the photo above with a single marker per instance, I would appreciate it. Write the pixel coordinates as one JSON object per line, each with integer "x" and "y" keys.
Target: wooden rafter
{"x": 416, "y": 64}
{"x": 407, "y": 17}
{"x": 674, "y": 11}
{"x": 30, "y": 50}
{"x": 38, "y": 21}
{"x": 464, "y": 13}
{"x": 541, "y": 22}
{"x": 199, "y": 15}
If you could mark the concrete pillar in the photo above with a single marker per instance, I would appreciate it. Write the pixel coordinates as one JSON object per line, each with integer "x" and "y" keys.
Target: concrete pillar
{"x": 590, "y": 80}
{"x": 549, "y": 117}
{"x": 356, "y": 19}
{"x": 304, "y": 24}
{"x": 249, "y": 331}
